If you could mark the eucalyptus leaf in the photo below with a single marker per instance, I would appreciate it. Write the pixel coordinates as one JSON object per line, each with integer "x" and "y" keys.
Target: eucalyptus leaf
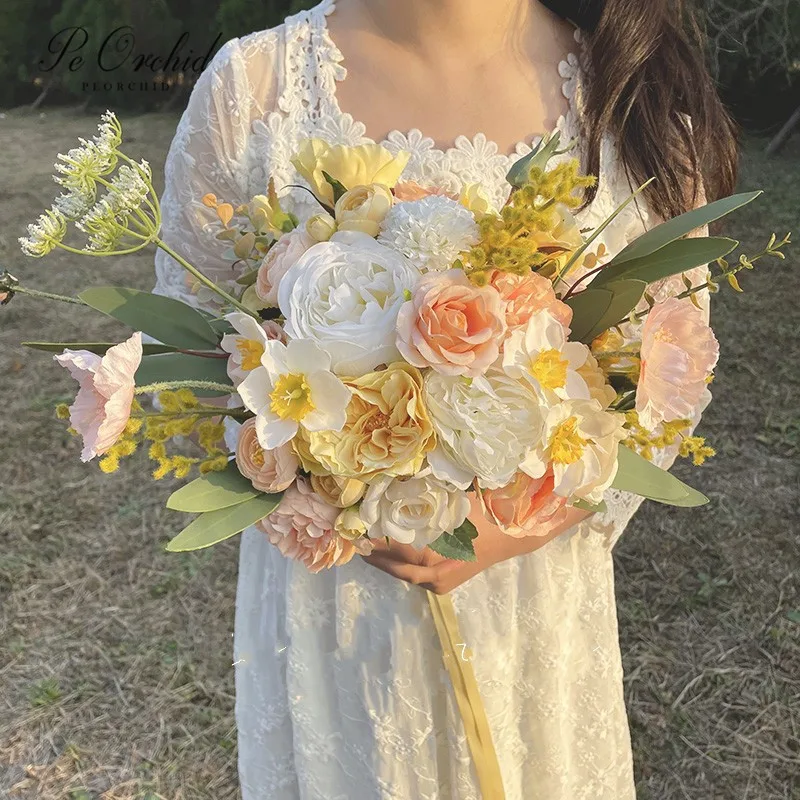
{"x": 458, "y": 544}
{"x": 672, "y": 259}
{"x": 673, "y": 229}
{"x": 626, "y": 294}
{"x": 183, "y": 367}
{"x": 596, "y": 508}
{"x": 638, "y": 475}
{"x": 213, "y": 491}
{"x": 169, "y": 321}
{"x": 216, "y": 526}
{"x": 249, "y": 277}
{"x": 588, "y": 307}
{"x": 95, "y": 347}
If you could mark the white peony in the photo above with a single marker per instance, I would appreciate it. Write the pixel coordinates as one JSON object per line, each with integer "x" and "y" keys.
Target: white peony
{"x": 413, "y": 510}
{"x": 485, "y": 426}
{"x": 580, "y": 444}
{"x": 293, "y": 386}
{"x": 431, "y": 232}
{"x": 345, "y": 295}
{"x": 541, "y": 354}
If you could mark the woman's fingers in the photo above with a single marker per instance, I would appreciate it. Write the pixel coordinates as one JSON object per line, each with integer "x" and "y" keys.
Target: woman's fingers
{"x": 411, "y": 573}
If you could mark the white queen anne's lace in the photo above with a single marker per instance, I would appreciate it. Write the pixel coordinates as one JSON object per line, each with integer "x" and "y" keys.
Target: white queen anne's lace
{"x": 341, "y": 691}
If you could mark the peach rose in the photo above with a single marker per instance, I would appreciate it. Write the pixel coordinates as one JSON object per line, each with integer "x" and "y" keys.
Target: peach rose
{"x": 303, "y": 527}
{"x": 277, "y": 261}
{"x": 525, "y": 295}
{"x": 524, "y": 507}
{"x": 451, "y": 325}
{"x": 103, "y": 405}
{"x": 269, "y": 471}
{"x": 679, "y": 352}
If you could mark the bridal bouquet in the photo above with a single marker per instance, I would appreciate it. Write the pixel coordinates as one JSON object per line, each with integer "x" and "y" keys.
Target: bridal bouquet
{"x": 404, "y": 347}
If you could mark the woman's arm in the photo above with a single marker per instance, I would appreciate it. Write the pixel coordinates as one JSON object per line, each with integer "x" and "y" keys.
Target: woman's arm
{"x": 440, "y": 575}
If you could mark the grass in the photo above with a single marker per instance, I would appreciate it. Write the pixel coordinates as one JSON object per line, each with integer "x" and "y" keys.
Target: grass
{"x": 115, "y": 656}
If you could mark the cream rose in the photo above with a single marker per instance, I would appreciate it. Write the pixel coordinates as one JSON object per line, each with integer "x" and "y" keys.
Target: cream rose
{"x": 387, "y": 429}
{"x": 351, "y": 166}
{"x": 413, "y": 510}
{"x": 269, "y": 471}
{"x": 363, "y": 208}
{"x": 282, "y": 255}
{"x": 451, "y": 325}
{"x": 321, "y": 227}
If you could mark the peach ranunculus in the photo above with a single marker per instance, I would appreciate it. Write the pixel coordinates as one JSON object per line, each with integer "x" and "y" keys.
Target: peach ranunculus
{"x": 524, "y": 507}
{"x": 339, "y": 492}
{"x": 679, "y": 352}
{"x": 303, "y": 528}
{"x": 269, "y": 471}
{"x": 387, "y": 432}
{"x": 451, "y": 325}
{"x": 524, "y": 295}
{"x": 277, "y": 261}
{"x": 103, "y": 405}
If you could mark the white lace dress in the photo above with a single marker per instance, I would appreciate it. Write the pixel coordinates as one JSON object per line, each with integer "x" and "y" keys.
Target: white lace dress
{"x": 341, "y": 692}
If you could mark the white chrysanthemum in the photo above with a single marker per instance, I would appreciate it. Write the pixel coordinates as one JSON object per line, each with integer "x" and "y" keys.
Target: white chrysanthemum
{"x": 44, "y": 234}
{"x": 431, "y": 232}
{"x": 485, "y": 426}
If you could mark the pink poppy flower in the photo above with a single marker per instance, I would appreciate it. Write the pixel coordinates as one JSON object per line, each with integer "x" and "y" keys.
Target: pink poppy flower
{"x": 302, "y": 528}
{"x": 103, "y": 405}
{"x": 524, "y": 507}
{"x": 679, "y": 352}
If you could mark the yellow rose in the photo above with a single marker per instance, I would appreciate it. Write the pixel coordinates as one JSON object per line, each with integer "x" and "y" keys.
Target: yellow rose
{"x": 363, "y": 208}
{"x": 349, "y": 524}
{"x": 476, "y": 200}
{"x": 339, "y": 492}
{"x": 321, "y": 227}
{"x": 387, "y": 432}
{"x": 351, "y": 166}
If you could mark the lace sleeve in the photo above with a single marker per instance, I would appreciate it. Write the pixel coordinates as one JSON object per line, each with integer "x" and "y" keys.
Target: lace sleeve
{"x": 209, "y": 154}
{"x": 623, "y": 505}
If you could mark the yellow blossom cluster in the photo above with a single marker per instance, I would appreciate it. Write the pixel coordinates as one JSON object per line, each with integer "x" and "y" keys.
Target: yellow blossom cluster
{"x": 644, "y": 442}
{"x": 534, "y": 230}
{"x": 181, "y": 414}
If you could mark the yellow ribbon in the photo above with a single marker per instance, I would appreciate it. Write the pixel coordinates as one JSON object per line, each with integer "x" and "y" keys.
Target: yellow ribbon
{"x": 465, "y": 687}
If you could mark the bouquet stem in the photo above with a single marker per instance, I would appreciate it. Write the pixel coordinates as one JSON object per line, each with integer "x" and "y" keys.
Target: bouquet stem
{"x": 470, "y": 706}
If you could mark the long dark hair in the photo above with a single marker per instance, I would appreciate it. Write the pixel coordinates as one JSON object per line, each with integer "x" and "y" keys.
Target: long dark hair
{"x": 651, "y": 90}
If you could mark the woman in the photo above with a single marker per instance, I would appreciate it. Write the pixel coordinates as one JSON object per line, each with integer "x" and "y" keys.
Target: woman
{"x": 340, "y": 687}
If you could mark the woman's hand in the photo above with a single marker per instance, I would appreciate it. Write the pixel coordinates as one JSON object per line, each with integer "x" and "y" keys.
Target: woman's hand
{"x": 440, "y": 575}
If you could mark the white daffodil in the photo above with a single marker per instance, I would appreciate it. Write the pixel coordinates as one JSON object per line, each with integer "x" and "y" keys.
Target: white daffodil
{"x": 541, "y": 354}
{"x": 44, "y": 234}
{"x": 294, "y": 386}
{"x": 247, "y": 345}
{"x": 580, "y": 444}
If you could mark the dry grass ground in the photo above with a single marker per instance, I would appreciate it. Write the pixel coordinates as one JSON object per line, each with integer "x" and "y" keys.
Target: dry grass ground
{"x": 115, "y": 673}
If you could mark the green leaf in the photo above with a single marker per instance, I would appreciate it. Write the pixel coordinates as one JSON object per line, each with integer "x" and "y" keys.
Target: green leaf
{"x": 458, "y": 544}
{"x": 794, "y": 615}
{"x": 594, "y": 318}
{"x": 673, "y": 229}
{"x": 170, "y": 321}
{"x": 673, "y": 258}
{"x": 216, "y": 526}
{"x": 248, "y": 278}
{"x": 538, "y": 157}
{"x": 183, "y": 367}
{"x": 95, "y": 347}
{"x": 597, "y": 508}
{"x": 638, "y": 475}
{"x": 213, "y": 491}
{"x": 338, "y": 188}
{"x": 588, "y": 307}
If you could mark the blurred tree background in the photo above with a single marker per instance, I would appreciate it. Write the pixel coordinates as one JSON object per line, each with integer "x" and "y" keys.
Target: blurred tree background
{"x": 754, "y": 50}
